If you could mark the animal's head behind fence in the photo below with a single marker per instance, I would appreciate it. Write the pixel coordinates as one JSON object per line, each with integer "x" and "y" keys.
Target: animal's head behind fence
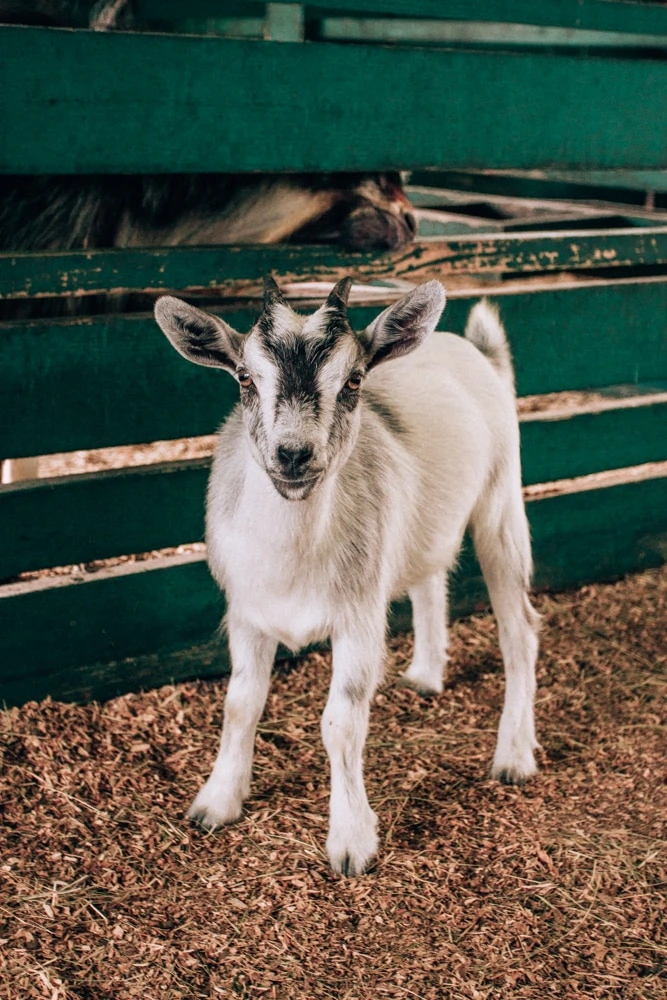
{"x": 301, "y": 377}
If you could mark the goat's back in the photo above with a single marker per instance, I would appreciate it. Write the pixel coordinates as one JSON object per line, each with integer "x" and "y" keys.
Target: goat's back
{"x": 453, "y": 418}
{"x": 457, "y": 408}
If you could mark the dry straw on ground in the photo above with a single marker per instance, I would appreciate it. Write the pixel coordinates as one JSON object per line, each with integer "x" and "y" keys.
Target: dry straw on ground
{"x": 480, "y": 891}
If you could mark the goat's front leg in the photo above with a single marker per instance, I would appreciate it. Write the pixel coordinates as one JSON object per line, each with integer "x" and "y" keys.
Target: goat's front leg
{"x": 220, "y": 800}
{"x": 357, "y": 666}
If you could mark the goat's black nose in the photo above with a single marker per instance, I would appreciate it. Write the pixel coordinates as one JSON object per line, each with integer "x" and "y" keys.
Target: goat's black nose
{"x": 294, "y": 460}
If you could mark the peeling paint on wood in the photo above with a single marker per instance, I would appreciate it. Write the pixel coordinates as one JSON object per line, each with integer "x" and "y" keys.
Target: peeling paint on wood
{"x": 238, "y": 270}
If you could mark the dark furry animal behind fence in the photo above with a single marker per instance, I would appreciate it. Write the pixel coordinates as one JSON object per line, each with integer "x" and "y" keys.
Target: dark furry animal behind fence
{"x": 358, "y": 211}
{"x": 355, "y": 210}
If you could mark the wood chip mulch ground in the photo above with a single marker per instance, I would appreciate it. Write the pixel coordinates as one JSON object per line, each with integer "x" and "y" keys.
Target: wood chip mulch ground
{"x": 557, "y": 889}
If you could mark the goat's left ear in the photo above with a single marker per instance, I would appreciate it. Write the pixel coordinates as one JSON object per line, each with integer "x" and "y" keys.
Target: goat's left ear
{"x": 405, "y": 325}
{"x": 197, "y": 335}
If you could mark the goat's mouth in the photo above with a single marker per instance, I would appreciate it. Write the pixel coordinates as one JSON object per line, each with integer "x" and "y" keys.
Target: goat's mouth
{"x": 295, "y": 488}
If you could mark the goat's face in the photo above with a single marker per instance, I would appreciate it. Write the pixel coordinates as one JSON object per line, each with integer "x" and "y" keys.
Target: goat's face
{"x": 300, "y": 383}
{"x": 301, "y": 377}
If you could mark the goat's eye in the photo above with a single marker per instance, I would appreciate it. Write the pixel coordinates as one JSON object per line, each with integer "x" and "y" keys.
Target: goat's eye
{"x": 245, "y": 378}
{"x": 354, "y": 381}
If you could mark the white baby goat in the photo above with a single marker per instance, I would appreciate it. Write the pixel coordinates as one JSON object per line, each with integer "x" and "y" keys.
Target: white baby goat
{"x": 346, "y": 477}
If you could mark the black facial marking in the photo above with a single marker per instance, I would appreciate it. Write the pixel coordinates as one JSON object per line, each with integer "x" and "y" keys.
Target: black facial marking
{"x": 348, "y": 399}
{"x": 298, "y": 363}
{"x": 251, "y": 408}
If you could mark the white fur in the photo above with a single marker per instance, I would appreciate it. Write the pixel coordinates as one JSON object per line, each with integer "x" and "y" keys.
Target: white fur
{"x": 404, "y": 496}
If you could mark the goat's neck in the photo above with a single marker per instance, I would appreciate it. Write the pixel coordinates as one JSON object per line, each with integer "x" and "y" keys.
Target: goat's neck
{"x": 295, "y": 524}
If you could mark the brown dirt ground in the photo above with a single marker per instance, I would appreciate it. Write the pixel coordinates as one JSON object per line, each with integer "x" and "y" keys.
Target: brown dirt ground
{"x": 480, "y": 891}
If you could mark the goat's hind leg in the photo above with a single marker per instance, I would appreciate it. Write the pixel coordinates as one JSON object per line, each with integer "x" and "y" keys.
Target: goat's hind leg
{"x": 502, "y": 541}
{"x": 426, "y": 673}
{"x": 220, "y": 800}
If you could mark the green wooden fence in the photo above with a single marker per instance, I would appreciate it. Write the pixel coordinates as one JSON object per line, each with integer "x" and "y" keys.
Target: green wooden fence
{"x": 179, "y": 104}
{"x": 204, "y": 104}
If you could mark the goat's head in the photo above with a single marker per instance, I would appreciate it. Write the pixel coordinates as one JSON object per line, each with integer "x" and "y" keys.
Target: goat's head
{"x": 301, "y": 377}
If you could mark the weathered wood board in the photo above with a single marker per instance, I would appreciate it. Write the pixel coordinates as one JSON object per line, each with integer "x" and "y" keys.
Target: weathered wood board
{"x": 76, "y": 519}
{"x": 93, "y": 119}
{"x": 96, "y": 382}
{"x": 50, "y": 631}
{"x": 224, "y": 268}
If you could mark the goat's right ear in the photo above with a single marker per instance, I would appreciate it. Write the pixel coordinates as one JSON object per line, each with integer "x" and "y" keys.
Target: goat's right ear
{"x": 197, "y": 335}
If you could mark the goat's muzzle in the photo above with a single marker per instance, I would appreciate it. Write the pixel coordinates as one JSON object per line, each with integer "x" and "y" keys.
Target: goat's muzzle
{"x": 292, "y": 473}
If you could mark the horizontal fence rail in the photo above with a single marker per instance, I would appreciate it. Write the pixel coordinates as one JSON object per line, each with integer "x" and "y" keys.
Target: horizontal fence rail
{"x": 80, "y": 518}
{"x": 115, "y": 380}
{"x": 164, "y": 112}
{"x": 88, "y": 272}
{"x": 51, "y": 632}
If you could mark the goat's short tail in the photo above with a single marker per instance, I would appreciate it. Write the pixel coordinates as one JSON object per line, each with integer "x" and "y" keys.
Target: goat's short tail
{"x": 487, "y": 333}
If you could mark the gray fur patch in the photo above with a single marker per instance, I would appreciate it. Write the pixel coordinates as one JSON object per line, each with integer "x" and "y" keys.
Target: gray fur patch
{"x": 356, "y": 692}
{"x": 387, "y": 414}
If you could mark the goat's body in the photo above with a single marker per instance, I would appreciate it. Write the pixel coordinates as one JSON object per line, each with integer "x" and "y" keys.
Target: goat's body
{"x": 435, "y": 423}
{"x": 434, "y": 450}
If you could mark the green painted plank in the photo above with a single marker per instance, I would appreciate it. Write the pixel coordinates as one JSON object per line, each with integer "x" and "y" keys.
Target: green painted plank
{"x": 163, "y": 113}
{"x": 101, "y": 681}
{"x": 77, "y": 519}
{"x": 111, "y": 380}
{"x": 598, "y": 534}
{"x": 585, "y": 338}
{"x": 593, "y": 442}
{"x": 597, "y": 15}
{"x": 93, "y": 383}
{"x": 50, "y": 635}
{"x": 130, "y": 610}
{"x": 26, "y": 275}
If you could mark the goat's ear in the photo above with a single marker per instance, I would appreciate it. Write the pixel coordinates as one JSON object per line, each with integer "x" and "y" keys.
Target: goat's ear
{"x": 198, "y": 336}
{"x": 405, "y": 325}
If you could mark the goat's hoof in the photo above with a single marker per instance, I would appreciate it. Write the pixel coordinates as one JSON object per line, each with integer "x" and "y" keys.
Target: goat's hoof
{"x": 425, "y": 684}
{"x": 353, "y": 853}
{"x": 211, "y": 811}
{"x": 351, "y": 863}
{"x": 514, "y": 774}
{"x": 350, "y": 866}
